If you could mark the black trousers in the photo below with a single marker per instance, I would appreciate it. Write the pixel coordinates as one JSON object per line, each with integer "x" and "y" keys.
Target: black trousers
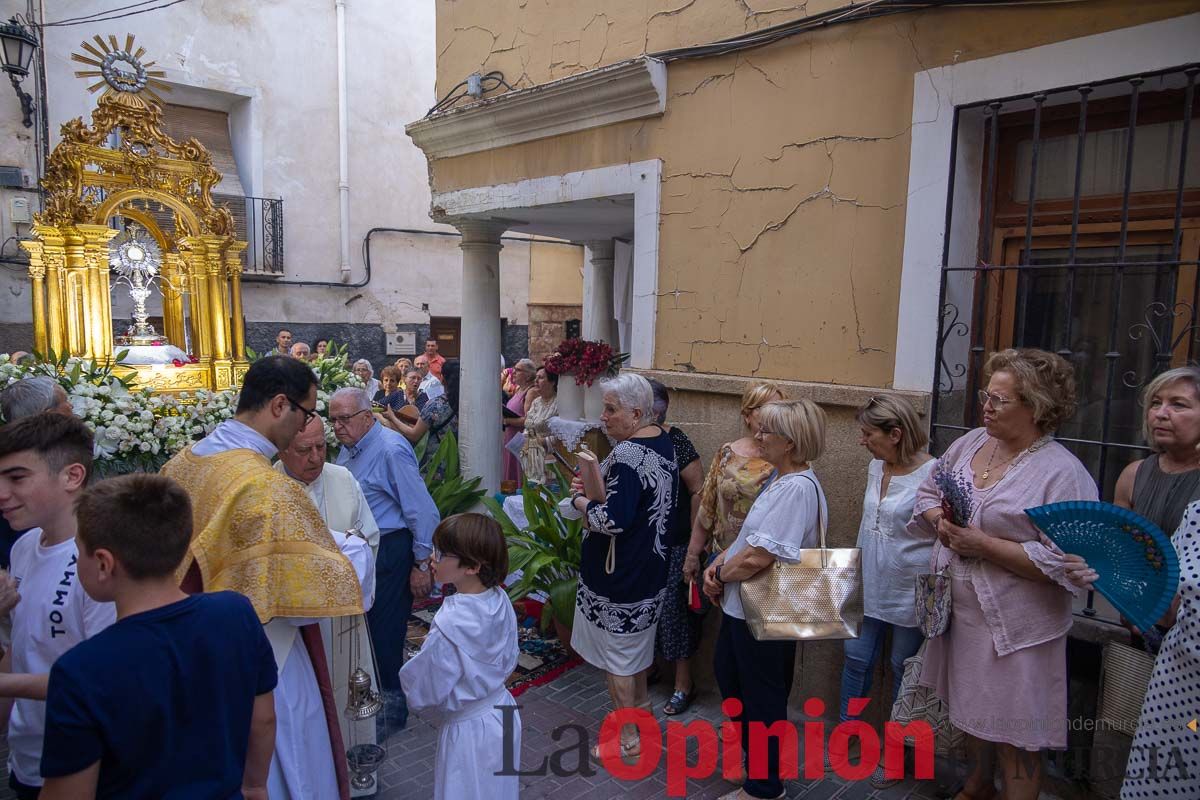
{"x": 388, "y": 618}
{"x": 760, "y": 675}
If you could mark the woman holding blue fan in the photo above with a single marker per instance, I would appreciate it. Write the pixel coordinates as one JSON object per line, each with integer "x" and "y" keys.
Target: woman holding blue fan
{"x": 1001, "y": 665}
{"x": 1162, "y": 485}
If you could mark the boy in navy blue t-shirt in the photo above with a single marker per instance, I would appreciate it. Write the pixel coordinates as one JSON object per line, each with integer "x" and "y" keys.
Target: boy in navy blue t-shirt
{"x": 174, "y": 699}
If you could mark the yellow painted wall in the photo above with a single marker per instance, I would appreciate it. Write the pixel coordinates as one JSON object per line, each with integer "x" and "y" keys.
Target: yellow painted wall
{"x": 785, "y": 168}
{"x": 555, "y": 273}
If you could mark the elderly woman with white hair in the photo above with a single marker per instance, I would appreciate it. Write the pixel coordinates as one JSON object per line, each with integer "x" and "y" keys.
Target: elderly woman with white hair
{"x": 623, "y": 568}
{"x": 366, "y": 373}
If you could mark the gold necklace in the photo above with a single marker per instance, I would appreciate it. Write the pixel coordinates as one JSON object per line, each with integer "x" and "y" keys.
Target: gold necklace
{"x": 1033, "y": 448}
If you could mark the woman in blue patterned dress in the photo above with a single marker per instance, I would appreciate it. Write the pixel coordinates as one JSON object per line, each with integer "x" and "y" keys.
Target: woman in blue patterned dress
{"x": 623, "y": 569}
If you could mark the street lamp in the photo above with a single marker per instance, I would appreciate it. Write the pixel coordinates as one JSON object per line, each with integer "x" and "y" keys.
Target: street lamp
{"x": 16, "y": 48}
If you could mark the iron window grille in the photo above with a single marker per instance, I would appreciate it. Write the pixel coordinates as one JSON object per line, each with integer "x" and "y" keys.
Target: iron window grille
{"x": 1073, "y": 225}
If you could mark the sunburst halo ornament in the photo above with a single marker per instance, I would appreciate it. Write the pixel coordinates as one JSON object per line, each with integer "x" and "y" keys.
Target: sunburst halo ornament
{"x": 120, "y": 68}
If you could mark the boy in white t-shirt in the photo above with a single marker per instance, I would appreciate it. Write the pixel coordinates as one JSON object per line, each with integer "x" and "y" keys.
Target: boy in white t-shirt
{"x": 45, "y": 462}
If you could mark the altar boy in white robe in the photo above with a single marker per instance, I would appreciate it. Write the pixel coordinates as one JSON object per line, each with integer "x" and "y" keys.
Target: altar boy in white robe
{"x": 342, "y": 505}
{"x": 465, "y": 661}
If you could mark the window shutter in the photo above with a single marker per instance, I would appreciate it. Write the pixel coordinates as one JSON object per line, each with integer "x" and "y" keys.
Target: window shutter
{"x": 212, "y": 129}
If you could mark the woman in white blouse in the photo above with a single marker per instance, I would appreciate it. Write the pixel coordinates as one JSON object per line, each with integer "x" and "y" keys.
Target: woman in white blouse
{"x": 784, "y": 519}
{"x": 892, "y": 558}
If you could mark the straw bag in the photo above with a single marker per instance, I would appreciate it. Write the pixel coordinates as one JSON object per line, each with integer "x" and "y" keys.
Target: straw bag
{"x": 933, "y": 602}
{"x": 915, "y": 702}
{"x": 818, "y": 597}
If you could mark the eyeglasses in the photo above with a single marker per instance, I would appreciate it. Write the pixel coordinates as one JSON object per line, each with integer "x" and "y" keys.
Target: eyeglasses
{"x": 346, "y": 419}
{"x": 996, "y": 400}
{"x": 764, "y": 432}
{"x": 308, "y": 415}
{"x": 438, "y": 555}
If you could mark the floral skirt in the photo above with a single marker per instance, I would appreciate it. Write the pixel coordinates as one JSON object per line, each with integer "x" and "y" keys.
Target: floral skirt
{"x": 678, "y": 628}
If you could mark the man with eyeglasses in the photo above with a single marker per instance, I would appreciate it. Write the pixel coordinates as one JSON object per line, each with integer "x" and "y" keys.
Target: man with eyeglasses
{"x": 386, "y": 468}
{"x": 258, "y": 533}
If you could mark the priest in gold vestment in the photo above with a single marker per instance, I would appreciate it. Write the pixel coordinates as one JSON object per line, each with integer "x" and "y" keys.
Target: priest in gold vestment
{"x": 340, "y": 500}
{"x": 258, "y": 533}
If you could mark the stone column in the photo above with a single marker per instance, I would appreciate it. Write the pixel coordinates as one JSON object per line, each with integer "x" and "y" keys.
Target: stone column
{"x": 479, "y": 366}
{"x": 599, "y": 320}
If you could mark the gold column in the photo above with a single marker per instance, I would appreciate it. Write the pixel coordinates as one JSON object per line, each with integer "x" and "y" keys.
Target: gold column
{"x": 192, "y": 251}
{"x": 172, "y": 284}
{"x": 77, "y": 299}
{"x": 56, "y": 305}
{"x": 218, "y": 315}
{"x": 98, "y": 300}
{"x": 37, "y": 276}
{"x": 233, "y": 272}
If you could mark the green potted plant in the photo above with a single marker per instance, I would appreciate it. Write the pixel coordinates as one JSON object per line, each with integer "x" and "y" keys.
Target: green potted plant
{"x": 547, "y": 551}
{"x": 451, "y": 492}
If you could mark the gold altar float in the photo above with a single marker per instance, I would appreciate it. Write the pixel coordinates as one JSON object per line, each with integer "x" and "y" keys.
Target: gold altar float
{"x": 160, "y": 185}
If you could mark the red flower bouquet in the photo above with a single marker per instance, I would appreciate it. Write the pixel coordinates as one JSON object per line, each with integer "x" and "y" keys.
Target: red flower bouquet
{"x": 585, "y": 360}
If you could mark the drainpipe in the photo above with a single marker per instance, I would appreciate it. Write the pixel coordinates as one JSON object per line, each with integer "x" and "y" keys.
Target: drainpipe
{"x": 343, "y": 143}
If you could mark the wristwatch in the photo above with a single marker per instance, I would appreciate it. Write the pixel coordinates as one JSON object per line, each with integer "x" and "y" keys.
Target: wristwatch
{"x": 717, "y": 573}
{"x": 422, "y": 565}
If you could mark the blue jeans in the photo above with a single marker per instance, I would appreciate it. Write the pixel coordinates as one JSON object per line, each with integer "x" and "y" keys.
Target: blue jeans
{"x": 388, "y": 618}
{"x": 862, "y": 654}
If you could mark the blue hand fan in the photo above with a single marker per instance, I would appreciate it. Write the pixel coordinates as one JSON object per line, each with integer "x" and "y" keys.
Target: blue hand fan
{"x": 1137, "y": 564}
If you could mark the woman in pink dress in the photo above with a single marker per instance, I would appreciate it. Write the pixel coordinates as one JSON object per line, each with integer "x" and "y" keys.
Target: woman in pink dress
{"x": 1001, "y": 667}
{"x": 523, "y": 374}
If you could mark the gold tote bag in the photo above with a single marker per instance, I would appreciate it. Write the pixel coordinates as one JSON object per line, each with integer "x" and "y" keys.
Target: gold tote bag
{"x": 818, "y": 597}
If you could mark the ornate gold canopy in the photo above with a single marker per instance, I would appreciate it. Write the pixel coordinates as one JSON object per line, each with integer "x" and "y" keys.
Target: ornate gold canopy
{"x": 164, "y": 186}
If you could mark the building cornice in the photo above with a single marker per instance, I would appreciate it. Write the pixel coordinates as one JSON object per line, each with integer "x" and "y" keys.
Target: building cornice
{"x": 633, "y": 89}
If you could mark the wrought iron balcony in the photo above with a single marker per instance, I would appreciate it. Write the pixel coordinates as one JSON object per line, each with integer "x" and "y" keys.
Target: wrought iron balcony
{"x": 258, "y": 221}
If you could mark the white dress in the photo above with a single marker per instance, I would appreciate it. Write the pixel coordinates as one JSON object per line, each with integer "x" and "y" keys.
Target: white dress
{"x": 892, "y": 557}
{"x": 1164, "y": 760}
{"x": 460, "y": 673}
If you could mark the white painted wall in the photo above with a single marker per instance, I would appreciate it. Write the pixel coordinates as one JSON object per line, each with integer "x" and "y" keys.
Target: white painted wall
{"x": 272, "y": 65}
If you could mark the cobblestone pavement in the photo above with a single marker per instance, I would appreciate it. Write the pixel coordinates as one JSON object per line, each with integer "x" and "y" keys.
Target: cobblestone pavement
{"x": 580, "y": 697}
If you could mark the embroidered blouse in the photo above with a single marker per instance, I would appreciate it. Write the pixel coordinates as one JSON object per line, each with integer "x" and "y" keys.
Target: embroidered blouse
{"x": 1020, "y": 612}
{"x": 641, "y": 480}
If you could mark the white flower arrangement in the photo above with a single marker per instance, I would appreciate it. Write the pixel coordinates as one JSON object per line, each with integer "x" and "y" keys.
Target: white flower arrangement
{"x": 138, "y": 431}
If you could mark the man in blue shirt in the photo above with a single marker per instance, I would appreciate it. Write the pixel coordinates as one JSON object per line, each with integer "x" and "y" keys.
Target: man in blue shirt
{"x": 386, "y": 467}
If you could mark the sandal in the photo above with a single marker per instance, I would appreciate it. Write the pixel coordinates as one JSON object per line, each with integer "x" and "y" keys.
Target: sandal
{"x": 630, "y": 749}
{"x": 679, "y": 702}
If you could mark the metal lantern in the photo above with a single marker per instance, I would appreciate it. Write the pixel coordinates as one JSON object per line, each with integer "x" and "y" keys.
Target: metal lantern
{"x": 17, "y": 45}
{"x": 363, "y": 702}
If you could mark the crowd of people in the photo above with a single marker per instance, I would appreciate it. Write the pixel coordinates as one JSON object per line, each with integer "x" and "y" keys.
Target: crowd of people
{"x": 169, "y": 630}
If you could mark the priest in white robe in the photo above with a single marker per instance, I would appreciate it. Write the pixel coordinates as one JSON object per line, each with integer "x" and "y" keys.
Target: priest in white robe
{"x": 342, "y": 505}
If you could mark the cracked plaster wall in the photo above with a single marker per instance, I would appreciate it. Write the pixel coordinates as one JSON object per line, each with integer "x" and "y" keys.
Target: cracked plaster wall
{"x": 785, "y": 168}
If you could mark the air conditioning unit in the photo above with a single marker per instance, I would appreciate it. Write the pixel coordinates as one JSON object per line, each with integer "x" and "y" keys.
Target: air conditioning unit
{"x": 12, "y": 178}
{"x": 401, "y": 344}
